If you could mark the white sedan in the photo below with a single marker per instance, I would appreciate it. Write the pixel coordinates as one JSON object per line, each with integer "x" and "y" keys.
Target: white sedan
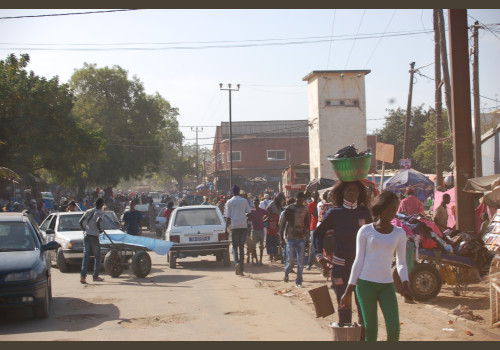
{"x": 197, "y": 230}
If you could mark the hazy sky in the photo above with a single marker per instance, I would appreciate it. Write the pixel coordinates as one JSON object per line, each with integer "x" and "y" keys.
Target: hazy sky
{"x": 185, "y": 54}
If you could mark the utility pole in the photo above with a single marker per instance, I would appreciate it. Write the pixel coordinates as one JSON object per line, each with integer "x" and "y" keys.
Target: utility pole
{"x": 195, "y": 129}
{"x": 438, "y": 102}
{"x": 230, "y": 133}
{"x": 446, "y": 72}
{"x": 477, "y": 116}
{"x": 462, "y": 125}
{"x": 408, "y": 114}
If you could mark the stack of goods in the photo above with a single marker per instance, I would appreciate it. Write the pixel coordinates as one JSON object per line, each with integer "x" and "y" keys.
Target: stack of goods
{"x": 491, "y": 238}
{"x": 349, "y": 165}
{"x": 426, "y": 235}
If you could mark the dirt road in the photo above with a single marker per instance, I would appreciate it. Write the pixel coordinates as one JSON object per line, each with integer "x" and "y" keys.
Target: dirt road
{"x": 201, "y": 300}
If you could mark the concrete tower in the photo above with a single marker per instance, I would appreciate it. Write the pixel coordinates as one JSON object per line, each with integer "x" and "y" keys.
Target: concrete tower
{"x": 337, "y": 116}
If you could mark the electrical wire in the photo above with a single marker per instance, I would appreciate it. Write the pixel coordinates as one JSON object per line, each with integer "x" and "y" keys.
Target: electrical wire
{"x": 69, "y": 14}
{"x": 352, "y": 46}
{"x": 331, "y": 41}
{"x": 205, "y": 46}
{"x": 485, "y": 26}
{"x": 380, "y": 39}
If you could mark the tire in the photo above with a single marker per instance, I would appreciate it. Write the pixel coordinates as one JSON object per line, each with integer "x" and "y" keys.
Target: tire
{"x": 218, "y": 256}
{"x": 112, "y": 262}
{"x": 425, "y": 282}
{"x": 225, "y": 258}
{"x": 50, "y": 288}
{"x": 41, "y": 310}
{"x": 398, "y": 286}
{"x": 172, "y": 260}
{"x": 141, "y": 264}
{"x": 61, "y": 263}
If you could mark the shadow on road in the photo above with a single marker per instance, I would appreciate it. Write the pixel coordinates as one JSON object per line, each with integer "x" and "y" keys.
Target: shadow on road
{"x": 73, "y": 315}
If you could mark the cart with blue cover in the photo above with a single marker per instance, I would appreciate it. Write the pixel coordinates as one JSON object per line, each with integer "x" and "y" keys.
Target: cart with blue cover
{"x": 128, "y": 250}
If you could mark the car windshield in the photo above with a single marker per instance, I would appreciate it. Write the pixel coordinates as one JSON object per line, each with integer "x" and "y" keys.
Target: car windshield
{"x": 197, "y": 217}
{"x": 142, "y": 207}
{"x": 15, "y": 236}
{"x": 71, "y": 223}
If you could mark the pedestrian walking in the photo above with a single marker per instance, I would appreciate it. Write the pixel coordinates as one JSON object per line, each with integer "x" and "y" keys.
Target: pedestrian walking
{"x": 272, "y": 232}
{"x": 257, "y": 217}
{"x": 151, "y": 215}
{"x": 132, "y": 220}
{"x": 236, "y": 213}
{"x": 92, "y": 219}
{"x": 295, "y": 231}
{"x": 349, "y": 214}
{"x": 313, "y": 211}
{"x": 265, "y": 202}
{"x": 371, "y": 274}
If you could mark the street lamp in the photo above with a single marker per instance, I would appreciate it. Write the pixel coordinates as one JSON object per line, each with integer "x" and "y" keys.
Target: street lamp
{"x": 229, "y": 89}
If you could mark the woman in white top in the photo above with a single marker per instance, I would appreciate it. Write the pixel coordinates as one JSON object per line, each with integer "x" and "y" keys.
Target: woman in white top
{"x": 371, "y": 274}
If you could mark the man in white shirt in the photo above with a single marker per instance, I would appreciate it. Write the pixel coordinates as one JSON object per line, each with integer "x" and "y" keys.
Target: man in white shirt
{"x": 236, "y": 212}
{"x": 265, "y": 202}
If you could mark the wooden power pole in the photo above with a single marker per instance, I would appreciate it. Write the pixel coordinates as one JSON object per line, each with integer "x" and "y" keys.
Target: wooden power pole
{"x": 408, "y": 114}
{"x": 462, "y": 124}
{"x": 446, "y": 72}
{"x": 477, "y": 116}
{"x": 438, "y": 103}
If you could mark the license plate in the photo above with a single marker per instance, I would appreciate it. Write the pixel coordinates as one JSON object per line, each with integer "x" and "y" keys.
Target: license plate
{"x": 199, "y": 238}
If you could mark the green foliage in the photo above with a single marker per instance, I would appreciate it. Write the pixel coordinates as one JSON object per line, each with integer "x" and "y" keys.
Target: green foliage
{"x": 393, "y": 133}
{"x": 38, "y": 132}
{"x": 135, "y": 125}
{"x": 425, "y": 154}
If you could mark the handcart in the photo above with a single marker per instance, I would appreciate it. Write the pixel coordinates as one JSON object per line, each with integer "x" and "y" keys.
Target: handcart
{"x": 126, "y": 250}
{"x": 426, "y": 280}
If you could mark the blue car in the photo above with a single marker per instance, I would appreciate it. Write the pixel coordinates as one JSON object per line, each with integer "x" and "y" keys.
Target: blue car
{"x": 25, "y": 278}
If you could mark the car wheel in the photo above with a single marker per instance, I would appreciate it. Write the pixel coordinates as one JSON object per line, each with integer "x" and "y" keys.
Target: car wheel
{"x": 218, "y": 256}
{"x": 41, "y": 310}
{"x": 172, "y": 260}
{"x": 425, "y": 282}
{"x": 50, "y": 288}
{"x": 225, "y": 258}
{"x": 141, "y": 264}
{"x": 112, "y": 262}
{"x": 61, "y": 263}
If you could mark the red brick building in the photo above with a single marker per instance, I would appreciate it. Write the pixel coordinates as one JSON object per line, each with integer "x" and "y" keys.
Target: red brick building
{"x": 261, "y": 149}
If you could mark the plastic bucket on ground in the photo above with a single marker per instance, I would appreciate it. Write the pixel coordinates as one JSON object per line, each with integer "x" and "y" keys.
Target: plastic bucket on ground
{"x": 350, "y": 332}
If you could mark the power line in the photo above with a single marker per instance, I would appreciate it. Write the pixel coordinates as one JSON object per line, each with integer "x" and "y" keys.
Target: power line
{"x": 352, "y": 46}
{"x": 69, "y": 14}
{"x": 199, "y": 47}
{"x": 331, "y": 41}
{"x": 485, "y": 26}
{"x": 380, "y": 39}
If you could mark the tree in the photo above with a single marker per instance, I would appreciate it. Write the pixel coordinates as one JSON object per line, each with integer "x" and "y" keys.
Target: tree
{"x": 132, "y": 122}
{"x": 38, "y": 132}
{"x": 393, "y": 132}
{"x": 425, "y": 153}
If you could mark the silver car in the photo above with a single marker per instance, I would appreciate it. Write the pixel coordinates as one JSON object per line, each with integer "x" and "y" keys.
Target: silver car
{"x": 64, "y": 228}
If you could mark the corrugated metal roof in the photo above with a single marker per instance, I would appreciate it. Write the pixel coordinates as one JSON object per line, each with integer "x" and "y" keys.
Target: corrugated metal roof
{"x": 267, "y": 128}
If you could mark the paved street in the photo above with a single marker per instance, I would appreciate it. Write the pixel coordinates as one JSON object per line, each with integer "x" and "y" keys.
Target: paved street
{"x": 201, "y": 300}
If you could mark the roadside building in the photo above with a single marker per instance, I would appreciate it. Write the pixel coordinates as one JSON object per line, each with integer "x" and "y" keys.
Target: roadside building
{"x": 261, "y": 149}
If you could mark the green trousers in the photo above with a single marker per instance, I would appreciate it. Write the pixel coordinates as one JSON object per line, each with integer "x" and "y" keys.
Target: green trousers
{"x": 371, "y": 293}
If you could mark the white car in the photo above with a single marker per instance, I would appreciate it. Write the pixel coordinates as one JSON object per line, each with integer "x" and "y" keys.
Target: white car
{"x": 197, "y": 230}
{"x": 64, "y": 228}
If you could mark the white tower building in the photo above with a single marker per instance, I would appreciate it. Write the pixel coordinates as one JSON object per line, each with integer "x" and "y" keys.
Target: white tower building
{"x": 337, "y": 116}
